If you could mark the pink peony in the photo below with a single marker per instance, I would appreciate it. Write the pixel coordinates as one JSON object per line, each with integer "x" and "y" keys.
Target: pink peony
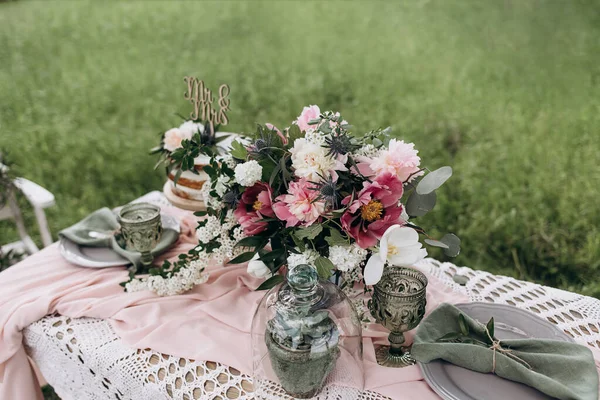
{"x": 174, "y": 137}
{"x": 272, "y": 127}
{"x": 400, "y": 159}
{"x": 299, "y": 206}
{"x": 376, "y": 208}
{"x": 308, "y": 113}
{"x": 254, "y": 206}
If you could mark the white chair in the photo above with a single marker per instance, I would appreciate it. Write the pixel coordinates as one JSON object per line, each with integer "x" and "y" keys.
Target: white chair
{"x": 39, "y": 198}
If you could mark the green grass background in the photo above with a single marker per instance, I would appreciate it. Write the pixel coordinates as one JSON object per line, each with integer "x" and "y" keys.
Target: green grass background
{"x": 506, "y": 92}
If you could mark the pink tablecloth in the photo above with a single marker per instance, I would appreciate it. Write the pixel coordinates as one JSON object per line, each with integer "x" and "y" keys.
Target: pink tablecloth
{"x": 215, "y": 317}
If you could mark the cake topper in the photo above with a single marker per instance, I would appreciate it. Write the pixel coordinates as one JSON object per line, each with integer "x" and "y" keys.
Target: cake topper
{"x": 202, "y": 100}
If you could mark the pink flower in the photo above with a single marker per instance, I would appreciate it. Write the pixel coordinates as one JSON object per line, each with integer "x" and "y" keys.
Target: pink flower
{"x": 400, "y": 159}
{"x": 308, "y": 113}
{"x": 272, "y": 127}
{"x": 375, "y": 209}
{"x": 299, "y": 205}
{"x": 254, "y": 206}
{"x": 174, "y": 137}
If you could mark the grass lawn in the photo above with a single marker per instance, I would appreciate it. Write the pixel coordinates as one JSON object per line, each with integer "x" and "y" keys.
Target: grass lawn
{"x": 507, "y": 92}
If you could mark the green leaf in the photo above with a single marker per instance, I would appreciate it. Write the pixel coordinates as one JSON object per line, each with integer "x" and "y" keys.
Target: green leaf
{"x": 200, "y": 213}
{"x": 271, "y": 256}
{"x": 490, "y": 327}
{"x": 314, "y": 121}
{"x": 251, "y": 241}
{"x": 298, "y": 242}
{"x": 294, "y": 133}
{"x": 271, "y": 282}
{"x": 242, "y": 258}
{"x": 335, "y": 238}
{"x": 324, "y": 267}
{"x": 177, "y": 176}
{"x": 310, "y": 232}
{"x": 434, "y": 180}
{"x": 462, "y": 322}
{"x": 453, "y": 243}
{"x": 418, "y": 205}
{"x": 325, "y": 128}
{"x": 436, "y": 243}
{"x": 238, "y": 150}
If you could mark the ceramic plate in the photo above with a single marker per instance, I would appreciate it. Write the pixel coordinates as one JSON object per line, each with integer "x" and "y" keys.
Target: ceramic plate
{"x": 101, "y": 257}
{"x": 456, "y": 383}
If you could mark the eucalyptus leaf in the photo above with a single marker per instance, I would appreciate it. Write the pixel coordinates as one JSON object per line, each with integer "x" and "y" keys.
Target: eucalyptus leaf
{"x": 436, "y": 243}
{"x": 314, "y": 121}
{"x": 434, "y": 180}
{"x": 418, "y": 205}
{"x": 324, "y": 267}
{"x": 271, "y": 282}
{"x": 453, "y": 243}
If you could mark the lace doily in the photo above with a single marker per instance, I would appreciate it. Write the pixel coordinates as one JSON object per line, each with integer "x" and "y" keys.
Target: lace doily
{"x": 83, "y": 358}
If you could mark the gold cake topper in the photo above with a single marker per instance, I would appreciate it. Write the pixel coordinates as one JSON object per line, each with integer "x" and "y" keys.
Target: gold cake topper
{"x": 202, "y": 100}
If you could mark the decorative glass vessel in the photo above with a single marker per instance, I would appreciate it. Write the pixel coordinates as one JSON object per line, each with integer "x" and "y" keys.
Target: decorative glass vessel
{"x": 141, "y": 228}
{"x": 398, "y": 303}
{"x": 306, "y": 335}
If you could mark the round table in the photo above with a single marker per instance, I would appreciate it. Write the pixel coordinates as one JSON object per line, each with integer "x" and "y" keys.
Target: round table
{"x": 83, "y": 358}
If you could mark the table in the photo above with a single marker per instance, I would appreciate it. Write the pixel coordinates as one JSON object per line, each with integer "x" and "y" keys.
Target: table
{"x": 83, "y": 359}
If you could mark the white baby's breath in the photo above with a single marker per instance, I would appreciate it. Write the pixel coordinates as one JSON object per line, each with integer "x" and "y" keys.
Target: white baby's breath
{"x": 308, "y": 257}
{"x": 347, "y": 258}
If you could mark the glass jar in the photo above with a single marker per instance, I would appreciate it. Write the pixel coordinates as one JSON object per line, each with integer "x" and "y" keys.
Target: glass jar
{"x": 306, "y": 335}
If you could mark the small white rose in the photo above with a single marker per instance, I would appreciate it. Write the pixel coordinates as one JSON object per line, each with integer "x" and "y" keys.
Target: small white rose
{"x": 399, "y": 246}
{"x": 258, "y": 269}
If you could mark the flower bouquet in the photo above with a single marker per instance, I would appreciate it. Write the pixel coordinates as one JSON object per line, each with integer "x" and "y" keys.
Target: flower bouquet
{"x": 315, "y": 193}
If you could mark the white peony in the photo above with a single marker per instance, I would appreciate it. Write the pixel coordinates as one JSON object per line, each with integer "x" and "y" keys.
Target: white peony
{"x": 258, "y": 269}
{"x": 248, "y": 173}
{"x": 310, "y": 160}
{"x": 399, "y": 246}
{"x": 174, "y": 137}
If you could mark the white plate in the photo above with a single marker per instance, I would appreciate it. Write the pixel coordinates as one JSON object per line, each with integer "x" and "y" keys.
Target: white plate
{"x": 102, "y": 257}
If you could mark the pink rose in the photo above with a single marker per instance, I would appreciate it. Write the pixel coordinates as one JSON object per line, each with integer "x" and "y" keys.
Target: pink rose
{"x": 254, "y": 206}
{"x": 375, "y": 209}
{"x": 272, "y": 127}
{"x": 174, "y": 137}
{"x": 308, "y": 113}
{"x": 400, "y": 159}
{"x": 299, "y": 206}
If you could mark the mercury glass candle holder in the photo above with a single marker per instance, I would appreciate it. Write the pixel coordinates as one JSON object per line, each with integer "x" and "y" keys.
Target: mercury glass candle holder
{"x": 141, "y": 229}
{"x": 398, "y": 303}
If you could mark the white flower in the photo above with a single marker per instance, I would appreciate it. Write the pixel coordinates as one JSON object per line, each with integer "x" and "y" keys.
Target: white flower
{"x": 248, "y": 173}
{"x": 308, "y": 257}
{"x": 346, "y": 258}
{"x": 190, "y": 128}
{"x": 311, "y": 161}
{"x": 222, "y": 185}
{"x": 258, "y": 269}
{"x": 399, "y": 246}
{"x": 173, "y": 138}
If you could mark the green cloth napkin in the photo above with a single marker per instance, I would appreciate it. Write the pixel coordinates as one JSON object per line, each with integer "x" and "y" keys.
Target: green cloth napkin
{"x": 98, "y": 230}
{"x": 559, "y": 369}
{"x": 95, "y": 230}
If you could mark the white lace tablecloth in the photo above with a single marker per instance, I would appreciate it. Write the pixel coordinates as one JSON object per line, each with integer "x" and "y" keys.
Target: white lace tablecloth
{"x": 83, "y": 359}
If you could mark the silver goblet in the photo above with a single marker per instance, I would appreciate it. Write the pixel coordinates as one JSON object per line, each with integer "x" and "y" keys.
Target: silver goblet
{"x": 398, "y": 303}
{"x": 141, "y": 229}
